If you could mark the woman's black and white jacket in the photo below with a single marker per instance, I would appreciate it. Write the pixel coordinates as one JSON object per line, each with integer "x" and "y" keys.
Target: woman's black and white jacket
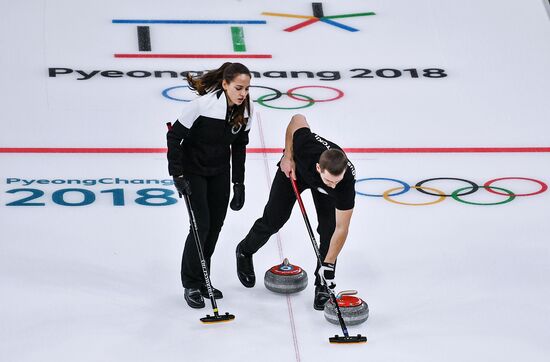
{"x": 202, "y": 141}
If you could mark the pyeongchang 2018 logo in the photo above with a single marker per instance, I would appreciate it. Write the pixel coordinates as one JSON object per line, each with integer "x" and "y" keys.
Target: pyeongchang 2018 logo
{"x": 301, "y": 96}
{"x": 236, "y": 28}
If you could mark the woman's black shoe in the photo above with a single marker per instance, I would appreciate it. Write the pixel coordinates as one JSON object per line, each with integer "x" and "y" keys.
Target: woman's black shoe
{"x": 245, "y": 268}
{"x": 193, "y": 297}
{"x": 217, "y": 293}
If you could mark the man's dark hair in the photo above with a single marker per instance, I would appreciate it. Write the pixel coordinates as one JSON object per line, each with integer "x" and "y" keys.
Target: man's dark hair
{"x": 334, "y": 161}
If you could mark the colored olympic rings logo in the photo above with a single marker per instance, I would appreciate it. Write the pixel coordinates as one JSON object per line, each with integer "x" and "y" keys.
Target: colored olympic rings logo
{"x": 458, "y": 194}
{"x": 272, "y": 95}
{"x": 276, "y": 94}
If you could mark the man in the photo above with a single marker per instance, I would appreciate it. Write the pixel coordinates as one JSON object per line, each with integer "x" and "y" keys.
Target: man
{"x": 321, "y": 166}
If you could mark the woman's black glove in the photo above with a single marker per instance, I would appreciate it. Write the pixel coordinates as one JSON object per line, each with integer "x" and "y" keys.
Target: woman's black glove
{"x": 238, "y": 197}
{"x": 182, "y": 185}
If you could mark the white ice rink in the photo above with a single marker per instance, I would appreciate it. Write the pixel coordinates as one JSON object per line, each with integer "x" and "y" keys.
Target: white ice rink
{"x": 422, "y": 89}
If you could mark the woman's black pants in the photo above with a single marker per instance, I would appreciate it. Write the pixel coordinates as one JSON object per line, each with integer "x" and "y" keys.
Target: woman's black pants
{"x": 209, "y": 199}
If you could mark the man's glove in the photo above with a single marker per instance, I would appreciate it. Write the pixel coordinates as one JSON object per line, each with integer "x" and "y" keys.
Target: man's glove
{"x": 182, "y": 185}
{"x": 327, "y": 271}
{"x": 238, "y": 197}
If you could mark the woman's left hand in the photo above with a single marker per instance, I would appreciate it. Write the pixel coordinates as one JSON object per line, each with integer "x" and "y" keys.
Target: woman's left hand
{"x": 238, "y": 197}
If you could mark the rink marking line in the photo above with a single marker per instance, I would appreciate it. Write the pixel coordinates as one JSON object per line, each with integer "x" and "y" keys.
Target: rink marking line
{"x": 209, "y": 22}
{"x": 280, "y": 150}
{"x": 279, "y": 246}
{"x": 193, "y": 56}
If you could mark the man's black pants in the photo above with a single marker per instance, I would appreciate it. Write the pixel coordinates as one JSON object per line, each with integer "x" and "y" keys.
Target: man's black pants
{"x": 209, "y": 200}
{"x": 278, "y": 210}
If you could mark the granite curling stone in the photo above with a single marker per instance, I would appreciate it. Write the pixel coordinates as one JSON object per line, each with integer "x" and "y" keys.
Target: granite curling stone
{"x": 354, "y": 310}
{"x": 285, "y": 278}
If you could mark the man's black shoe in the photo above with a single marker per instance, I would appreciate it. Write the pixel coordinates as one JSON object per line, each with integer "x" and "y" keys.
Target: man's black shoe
{"x": 245, "y": 268}
{"x": 321, "y": 297}
{"x": 193, "y": 297}
{"x": 217, "y": 293}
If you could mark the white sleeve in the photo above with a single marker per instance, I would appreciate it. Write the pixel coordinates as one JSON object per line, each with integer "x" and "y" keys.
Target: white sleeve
{"x": 251, "y": 117}
{"x": 190, "y": 113}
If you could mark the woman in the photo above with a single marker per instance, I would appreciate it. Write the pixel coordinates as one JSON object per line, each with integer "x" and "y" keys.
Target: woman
{"x": 211, "y": 131}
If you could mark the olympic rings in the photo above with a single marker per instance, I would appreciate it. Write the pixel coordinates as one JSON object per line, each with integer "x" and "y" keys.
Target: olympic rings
{"x": 441, "y": 196}
{"x": 406, "y": 186}
{"x": 510, "y": 194}
{"x": 474, "y": 186}
{"x": 339, "y": 93}
{"x": 277, "y": 92}
{"x": 167, "y": 90}
{"x": 299, "y": 97}
{"x": 308, "y": 99}
{"x": 543, "y": 186}
{"x": 456, "y": 195}
{"x": 274, "y": 94}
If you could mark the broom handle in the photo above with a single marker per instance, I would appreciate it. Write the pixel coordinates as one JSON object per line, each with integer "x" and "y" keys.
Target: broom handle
{"x": 318, "y": 253}
{"x": 195, "y": 231}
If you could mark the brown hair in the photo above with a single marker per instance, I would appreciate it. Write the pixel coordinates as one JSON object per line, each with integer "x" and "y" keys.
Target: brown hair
{"x": 334, "y": 161}
{"x": 212, "y": 81}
